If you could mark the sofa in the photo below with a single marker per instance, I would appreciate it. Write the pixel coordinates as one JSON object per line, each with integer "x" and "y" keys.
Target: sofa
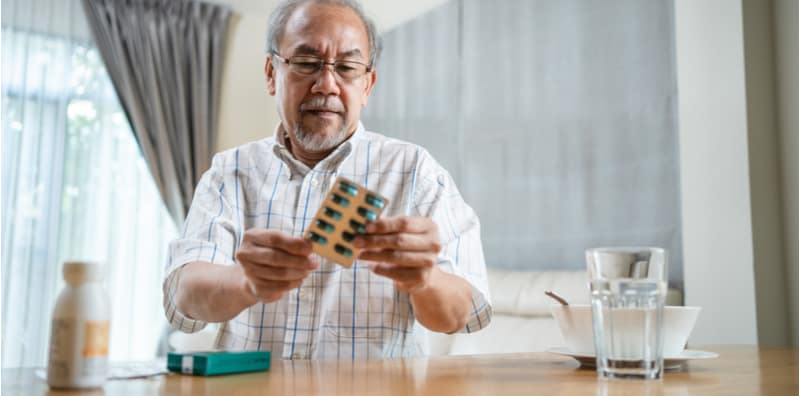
{"x": 521, "y": 320}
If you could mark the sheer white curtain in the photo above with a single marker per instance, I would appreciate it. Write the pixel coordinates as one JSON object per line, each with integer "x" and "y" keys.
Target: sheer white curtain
{"x": 74, "y": 186}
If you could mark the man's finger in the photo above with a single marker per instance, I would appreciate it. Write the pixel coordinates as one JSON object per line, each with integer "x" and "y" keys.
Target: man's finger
{"x": 397, "y": 241}
{"x": 279, "y": 240}
{"x": 274, "y": 257}
{"x": 399, "y": 257}
{"x": 398, "y": 274}
{"x": 388, "y": 225}
{"x": 267, "y": 273}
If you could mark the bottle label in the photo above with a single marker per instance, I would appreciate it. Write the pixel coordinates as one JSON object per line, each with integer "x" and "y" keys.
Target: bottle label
{"x": 95, "y": 338}
{"x": 78, "y": 352}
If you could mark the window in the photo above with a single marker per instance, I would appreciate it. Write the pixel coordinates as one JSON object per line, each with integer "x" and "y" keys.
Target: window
{"x": 74, "y": 186}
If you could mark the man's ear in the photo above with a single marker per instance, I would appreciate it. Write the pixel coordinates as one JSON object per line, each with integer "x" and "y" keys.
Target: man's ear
{"x": 372, "y": 78}
{"x": 269, "y": 72}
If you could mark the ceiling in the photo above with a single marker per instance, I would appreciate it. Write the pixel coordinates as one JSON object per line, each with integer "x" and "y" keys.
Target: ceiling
{"x": 386, "y": 13}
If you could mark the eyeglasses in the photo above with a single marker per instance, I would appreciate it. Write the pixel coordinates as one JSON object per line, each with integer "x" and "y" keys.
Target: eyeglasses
{"x": 311, "y": 65}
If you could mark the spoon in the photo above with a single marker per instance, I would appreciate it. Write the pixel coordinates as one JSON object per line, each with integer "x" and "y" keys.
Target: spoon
{"x": 556, "y": 297}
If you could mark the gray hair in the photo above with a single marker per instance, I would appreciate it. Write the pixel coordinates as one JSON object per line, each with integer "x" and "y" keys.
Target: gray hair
{"x": 280, "y": 16}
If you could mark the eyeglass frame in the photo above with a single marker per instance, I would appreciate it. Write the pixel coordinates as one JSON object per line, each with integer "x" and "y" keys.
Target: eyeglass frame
{"x": 322, "y": 63}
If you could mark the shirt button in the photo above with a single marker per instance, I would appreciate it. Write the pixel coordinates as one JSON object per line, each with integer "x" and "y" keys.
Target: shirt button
{"x": 296, "y": 356}
{"x": 301, "y": 294}
{"x": 313, "y": 182}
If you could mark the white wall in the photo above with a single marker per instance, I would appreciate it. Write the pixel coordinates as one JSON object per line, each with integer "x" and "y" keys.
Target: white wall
{"x": 247, "y": 112}
{"x": 785, "y": 33}
{"x": 718, "y": 249}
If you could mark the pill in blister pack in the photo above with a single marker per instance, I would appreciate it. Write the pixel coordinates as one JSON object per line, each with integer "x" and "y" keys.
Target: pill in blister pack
{"x": 374, "y": 201}
{"x": 339, "y": 200}
{"x": 334, "y": 214}
{"x": 314, "y": 237}
{"x": 345, "y": 212}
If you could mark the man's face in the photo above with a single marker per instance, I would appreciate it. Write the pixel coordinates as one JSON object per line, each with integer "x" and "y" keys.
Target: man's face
{"x": 321, "y": 110}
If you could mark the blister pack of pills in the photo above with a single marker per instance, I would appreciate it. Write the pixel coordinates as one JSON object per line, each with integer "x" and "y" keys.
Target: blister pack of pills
{"x": 344, "y": 213}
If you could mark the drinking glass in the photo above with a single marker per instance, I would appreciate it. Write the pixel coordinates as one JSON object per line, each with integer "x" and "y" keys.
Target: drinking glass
{"x": 628, "y": 288}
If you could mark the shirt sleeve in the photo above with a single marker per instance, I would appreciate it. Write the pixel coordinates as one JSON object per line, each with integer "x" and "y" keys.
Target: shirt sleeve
{"x": 209, "y": 235}
{"x": 438, "y": 198}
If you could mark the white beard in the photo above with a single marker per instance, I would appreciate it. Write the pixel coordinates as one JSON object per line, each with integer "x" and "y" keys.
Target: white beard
{"x": 318, "y": 142}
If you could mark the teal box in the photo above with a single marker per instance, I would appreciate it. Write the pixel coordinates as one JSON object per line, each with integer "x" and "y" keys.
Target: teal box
{"x": 217, "y": 363}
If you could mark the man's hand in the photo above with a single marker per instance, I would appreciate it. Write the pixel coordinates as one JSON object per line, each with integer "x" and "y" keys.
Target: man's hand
{"x": 404, "y": 249}
{"x": 273, "y": 263}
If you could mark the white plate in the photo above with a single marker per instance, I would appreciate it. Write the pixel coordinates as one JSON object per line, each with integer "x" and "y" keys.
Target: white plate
{"x": 670, "y": 362}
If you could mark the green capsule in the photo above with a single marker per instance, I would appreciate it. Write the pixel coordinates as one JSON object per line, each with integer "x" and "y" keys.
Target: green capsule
{"x": 374, "y": 201}
{"x": 358, "y": 227}
{"x": 346, "y": 188}
{"x": 334, "y": 214}
{"x": 314, "y": 237}
{"x": 343, "y": 250}
{"x": 368, "y": 214}
{"x": 324, "y": 225}
{"x": 340, "y": 200}
{"x": 348, "y": 236}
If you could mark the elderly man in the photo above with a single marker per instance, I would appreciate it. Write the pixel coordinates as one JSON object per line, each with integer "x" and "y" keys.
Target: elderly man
{"x": 241, "y": 259}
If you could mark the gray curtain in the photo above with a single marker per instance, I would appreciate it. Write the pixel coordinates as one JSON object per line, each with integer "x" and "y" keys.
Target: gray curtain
{"x": 165, "y": 60}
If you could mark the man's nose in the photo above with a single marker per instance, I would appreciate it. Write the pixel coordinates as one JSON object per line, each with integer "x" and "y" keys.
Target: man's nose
{"x": 325, "y": 82}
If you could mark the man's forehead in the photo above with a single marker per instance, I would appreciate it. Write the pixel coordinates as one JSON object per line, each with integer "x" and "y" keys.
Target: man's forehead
{"x": 315, "y": 28}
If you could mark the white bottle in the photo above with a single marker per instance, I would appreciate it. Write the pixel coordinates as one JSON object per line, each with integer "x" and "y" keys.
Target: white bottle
{"x": 79, "y": 329}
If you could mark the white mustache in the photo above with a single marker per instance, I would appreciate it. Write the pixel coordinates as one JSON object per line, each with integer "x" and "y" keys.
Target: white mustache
{"x": 323, "y": 103}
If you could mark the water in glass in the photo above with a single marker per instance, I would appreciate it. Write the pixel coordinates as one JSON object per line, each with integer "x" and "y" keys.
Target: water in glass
{"x": 627, "y": 320}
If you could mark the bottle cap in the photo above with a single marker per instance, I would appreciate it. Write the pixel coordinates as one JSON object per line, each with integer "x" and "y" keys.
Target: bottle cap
{"x": 82, "y": 271}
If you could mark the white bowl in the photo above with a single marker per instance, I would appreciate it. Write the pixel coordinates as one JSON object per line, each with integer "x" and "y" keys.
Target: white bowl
{"x": 575, "y": 323}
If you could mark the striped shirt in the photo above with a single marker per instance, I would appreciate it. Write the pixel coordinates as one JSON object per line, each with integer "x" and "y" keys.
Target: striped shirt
{"x": 337, "y": 313}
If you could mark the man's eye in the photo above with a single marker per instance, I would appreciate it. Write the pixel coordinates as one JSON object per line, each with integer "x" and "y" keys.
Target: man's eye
{"x": 345, "y": 68}
{"x": 307, "y": 65}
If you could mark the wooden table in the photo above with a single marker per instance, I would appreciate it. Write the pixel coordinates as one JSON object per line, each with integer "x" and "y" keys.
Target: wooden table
{"x": 740, "y": 370}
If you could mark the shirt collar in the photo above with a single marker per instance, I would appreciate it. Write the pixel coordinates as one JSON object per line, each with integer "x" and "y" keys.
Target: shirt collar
{"x": 330, "y": 163}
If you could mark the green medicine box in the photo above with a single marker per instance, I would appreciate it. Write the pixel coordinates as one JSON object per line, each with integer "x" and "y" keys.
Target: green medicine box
{"x": 217, "y": 363}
